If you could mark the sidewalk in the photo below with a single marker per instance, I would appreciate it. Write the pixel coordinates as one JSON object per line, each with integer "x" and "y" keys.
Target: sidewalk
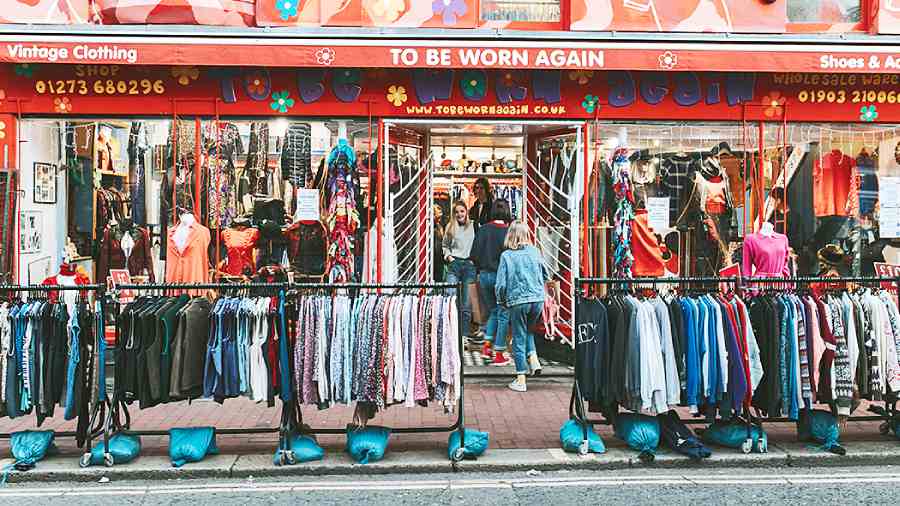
{"x": 514, "y": 420}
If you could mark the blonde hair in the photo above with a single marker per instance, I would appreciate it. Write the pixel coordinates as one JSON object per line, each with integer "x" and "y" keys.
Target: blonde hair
{"x": 518, "y": 236}
{"x": 452, "y": 224}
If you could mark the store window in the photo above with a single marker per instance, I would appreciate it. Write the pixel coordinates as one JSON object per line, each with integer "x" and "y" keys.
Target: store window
{"x": 703, "y": 194}
{"x": 528, "y": 11}
{"x": 116, "y": 193}
{"x": 824, "y": 11}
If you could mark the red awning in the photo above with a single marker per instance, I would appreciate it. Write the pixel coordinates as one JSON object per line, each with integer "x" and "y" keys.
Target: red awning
{"x": 356, "y": 53}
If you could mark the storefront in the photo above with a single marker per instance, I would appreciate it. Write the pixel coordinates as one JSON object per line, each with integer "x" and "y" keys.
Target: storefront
{"x": 715, "y": 139}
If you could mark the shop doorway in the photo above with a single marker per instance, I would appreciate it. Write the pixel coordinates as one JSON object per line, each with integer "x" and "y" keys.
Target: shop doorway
{"x": 533, "y": 165}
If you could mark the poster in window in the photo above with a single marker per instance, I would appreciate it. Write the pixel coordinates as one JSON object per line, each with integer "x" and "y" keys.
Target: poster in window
{"x": 31, "y": 237}
{"x": 44, "y": 183}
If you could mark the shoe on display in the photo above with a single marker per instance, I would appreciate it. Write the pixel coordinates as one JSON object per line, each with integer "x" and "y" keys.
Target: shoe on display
{"x": 534, "y": 364}
{"x": 501, "y": 359}
{"x": 518, "y": 387}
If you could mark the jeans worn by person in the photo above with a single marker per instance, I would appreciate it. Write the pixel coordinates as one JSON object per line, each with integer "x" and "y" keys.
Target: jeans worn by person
{"x": 522, "y": 317}
{"x": 462, "y": 270}
{"x": 498, "y": 318}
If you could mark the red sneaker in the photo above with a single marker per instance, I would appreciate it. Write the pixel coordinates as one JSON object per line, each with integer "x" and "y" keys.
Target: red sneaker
{"x": 486, "y": 351}
{"x": 501, "y": 359}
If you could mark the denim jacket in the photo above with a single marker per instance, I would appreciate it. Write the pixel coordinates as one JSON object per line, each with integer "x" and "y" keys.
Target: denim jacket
{"x": 520, "y": 277}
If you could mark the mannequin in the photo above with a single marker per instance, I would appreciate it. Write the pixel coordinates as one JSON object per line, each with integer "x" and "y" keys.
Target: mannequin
{"x": 69, "y": 275}
{"x": 240, "y": 241}
{"x": 187, "y": 256}
{"x": 765, "y": 253}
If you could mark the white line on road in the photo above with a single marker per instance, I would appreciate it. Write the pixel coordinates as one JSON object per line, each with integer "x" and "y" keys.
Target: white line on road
{"x": 247, "y": 487}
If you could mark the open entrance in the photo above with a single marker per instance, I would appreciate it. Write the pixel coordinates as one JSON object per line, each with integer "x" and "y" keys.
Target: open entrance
{"x": 532, "y": 165}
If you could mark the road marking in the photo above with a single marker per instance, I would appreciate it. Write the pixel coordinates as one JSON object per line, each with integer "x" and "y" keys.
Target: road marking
{"x": 245, "y": 487}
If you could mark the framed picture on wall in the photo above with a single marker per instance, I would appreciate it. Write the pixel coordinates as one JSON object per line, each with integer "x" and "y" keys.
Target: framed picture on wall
{"x": 44, "y": 183}
{"x": 31, "y": 236}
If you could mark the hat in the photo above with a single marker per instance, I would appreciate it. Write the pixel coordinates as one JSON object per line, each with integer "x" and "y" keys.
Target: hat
{"x": 831, "y": 254}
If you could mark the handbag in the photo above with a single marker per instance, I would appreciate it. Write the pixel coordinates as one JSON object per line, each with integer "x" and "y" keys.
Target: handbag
{"x": 479, "y": 315}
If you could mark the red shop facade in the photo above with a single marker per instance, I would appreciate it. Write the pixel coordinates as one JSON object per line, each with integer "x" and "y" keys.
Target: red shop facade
{"x": 544, "y": 122}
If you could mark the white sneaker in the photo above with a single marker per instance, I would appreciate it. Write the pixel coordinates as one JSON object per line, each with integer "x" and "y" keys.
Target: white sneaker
{"x": 534, "y": 364}
{"x": 518, "y": 387}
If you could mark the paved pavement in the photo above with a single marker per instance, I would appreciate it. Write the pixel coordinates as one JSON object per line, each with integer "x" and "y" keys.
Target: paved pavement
{"x": 514, "y": 420}
{"x": 844, "y": 485}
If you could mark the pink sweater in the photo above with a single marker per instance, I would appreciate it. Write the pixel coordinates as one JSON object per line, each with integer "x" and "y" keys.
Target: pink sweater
{"x": 765, "y": 256}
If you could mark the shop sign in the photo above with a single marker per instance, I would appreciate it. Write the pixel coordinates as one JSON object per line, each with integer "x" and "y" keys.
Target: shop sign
{"x": 447, "y": 93}
{"x": 884, "y": 270}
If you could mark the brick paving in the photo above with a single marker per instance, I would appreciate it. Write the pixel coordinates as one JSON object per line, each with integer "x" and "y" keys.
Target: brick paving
{"x": 514, "y": 420}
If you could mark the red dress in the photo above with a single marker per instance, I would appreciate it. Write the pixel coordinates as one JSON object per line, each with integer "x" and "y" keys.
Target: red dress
{"x": 239, "y": 246}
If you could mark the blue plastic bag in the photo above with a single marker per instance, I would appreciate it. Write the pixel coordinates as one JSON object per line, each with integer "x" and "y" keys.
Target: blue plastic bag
{"x": 571, "y": 435}
{"x": 476, "y": 443}
{"x": 30, "y": 446}
{"x": 821, "y": 427}
{"x": 641, "y": 432}
{"x": 367, "y": 444}
{"x": 191, "y": 444}
{"x": 123, "y": 447}
{"x": 734, "y": 435}
{"x": 303, "y": 448}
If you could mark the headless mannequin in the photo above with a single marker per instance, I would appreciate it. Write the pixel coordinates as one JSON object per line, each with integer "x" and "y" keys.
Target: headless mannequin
{"x": 183, "y": 230}
{"x": 766, "y": 253}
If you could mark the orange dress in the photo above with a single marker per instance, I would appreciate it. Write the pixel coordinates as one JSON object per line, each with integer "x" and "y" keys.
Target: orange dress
{"x": 239, "y": 245}
{"x": 648, "y": 260}
{"x": 190, "y": 265}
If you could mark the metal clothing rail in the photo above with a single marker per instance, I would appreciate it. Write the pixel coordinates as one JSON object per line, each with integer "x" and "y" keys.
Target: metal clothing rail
{"x": 98, "y": 415}
{"x": 291, "y": 419}
{"x": 576, "y": 403}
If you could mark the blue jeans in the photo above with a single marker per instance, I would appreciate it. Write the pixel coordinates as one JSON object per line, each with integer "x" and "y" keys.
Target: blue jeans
{"x": 498, "y": 318}
{"x": 523, "y": 317}
{"x": 462, "y": 271}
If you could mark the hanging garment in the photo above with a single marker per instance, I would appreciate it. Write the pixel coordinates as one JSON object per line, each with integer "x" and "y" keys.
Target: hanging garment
{"x": 125, "y": 248}
{"x": 239, "y": 245}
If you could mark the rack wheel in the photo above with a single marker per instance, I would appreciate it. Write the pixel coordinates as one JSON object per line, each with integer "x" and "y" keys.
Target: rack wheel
{"x": 85, "y": 460}
{"x": 763, "y": 446}
{"x": 747, "y": 447}
{"x": 458, "y": 455}
{"x": 290, "y": 458}
{"x": 583, "y": 449}
{"x": 279, "y": 461}
{"x": 108, "y": 460}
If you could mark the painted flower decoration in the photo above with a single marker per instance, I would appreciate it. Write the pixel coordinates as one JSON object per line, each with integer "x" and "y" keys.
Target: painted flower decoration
{"x": 868, "y": 113}
{"x": 508, "y": 79}
{"x": 387, "y": 10}
{"x": 668, "y": 60}
{"x": 25, "y": 69}
{"x": 287, "y": 8}
{"x": 2, "y": 129}
{"x": 281, "y": 101}
{"x": 581, "y": 76}
{"x": 62, "y": 105}
{"x": 185, "y": 75}
{"x": 325, "y": 56}
{"x": 449, "y": 10}
{"x": 774, "y": 104}
{"x": 396, "y": 95}
{"x": 473, "y": 85}
{"x": 256, "y": 84}
{"x": 590, "y": 103}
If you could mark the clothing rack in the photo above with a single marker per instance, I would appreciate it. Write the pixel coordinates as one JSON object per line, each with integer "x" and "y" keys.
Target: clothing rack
{"x": 103, "y": 408}
{"x": 576, "y": 404}
{"x": 291, "y": 419}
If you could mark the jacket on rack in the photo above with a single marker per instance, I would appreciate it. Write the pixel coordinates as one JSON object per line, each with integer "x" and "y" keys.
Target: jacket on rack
{"x": 125, "y": 249}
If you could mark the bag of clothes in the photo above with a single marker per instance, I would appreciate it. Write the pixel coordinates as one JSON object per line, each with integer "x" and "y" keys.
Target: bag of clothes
{"x": 476, "y": 443}
{"x": 367, "y": 444}
{"x": 303, "y": 449}
{"x": 733, "y": 434}
{"x": 571, "y": 435}
{"x": 123, "y": 448}
{"x": 641, "y": 432}
{"x": 191, "y": 444}
{"x": 821, "y": 427}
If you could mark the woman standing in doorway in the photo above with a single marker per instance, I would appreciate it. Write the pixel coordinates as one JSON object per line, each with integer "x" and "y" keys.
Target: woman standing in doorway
{"x": 457, "y": 248}
{"x": 482, "y": 210}
{"x": 520, "y": 289}
{"x": 486, "y": 251}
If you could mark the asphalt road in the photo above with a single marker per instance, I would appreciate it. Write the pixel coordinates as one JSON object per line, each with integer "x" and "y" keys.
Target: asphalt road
{"x": 829, "y": 485}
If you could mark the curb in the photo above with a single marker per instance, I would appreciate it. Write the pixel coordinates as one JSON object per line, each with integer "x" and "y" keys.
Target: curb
{"x": 65, "y": 468}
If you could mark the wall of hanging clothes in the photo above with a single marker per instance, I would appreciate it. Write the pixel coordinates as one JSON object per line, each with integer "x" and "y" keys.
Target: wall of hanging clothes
{"x": 377, "y": 349}
{"x": 778, "y": 351}
{"x": 52, "y": 355}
